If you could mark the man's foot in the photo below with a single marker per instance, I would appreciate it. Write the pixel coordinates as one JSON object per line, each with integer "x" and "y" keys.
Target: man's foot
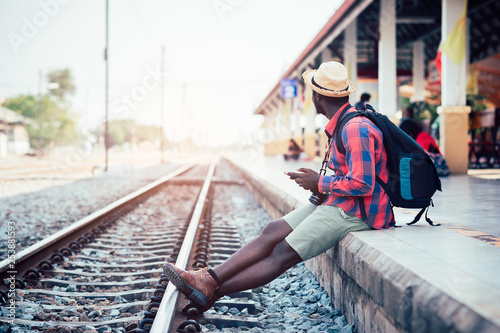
{"x": 198, "y": 286}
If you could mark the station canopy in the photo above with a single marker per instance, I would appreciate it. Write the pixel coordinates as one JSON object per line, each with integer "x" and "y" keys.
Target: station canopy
{"x": 416, "y": 20}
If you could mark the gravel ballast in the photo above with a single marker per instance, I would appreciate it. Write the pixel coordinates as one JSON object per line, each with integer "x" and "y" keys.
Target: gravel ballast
{"x": 40, "y": 207}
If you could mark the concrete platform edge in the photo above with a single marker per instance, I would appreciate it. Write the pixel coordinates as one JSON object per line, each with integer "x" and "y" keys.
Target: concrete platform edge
{"x": 375, "y": 292}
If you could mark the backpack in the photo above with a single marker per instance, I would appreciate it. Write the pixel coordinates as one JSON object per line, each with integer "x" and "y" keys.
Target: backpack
{"x": 413, "y": 178}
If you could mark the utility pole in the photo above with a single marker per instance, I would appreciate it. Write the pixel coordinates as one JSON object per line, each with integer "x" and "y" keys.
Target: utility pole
{"x": 106, "y": 134}
{"x": 39, "y": 111}
{"x": 184, "y": 111}
{"x": 162, "y": 106}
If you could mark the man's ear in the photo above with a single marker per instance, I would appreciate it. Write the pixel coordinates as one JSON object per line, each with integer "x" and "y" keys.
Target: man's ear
{"x": 317, "y": 97}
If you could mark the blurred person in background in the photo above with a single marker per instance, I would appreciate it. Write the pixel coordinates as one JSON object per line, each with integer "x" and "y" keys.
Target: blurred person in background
{"x": 293, "y": 152}
{"x": 427, "y": 142}
{"x": 361, "y": 105}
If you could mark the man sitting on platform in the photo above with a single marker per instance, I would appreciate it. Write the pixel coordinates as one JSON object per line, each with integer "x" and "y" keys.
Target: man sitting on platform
{"x": 349, "y": 200}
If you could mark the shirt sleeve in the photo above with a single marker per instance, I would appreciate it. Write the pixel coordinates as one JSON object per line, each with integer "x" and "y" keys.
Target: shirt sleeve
{"x": 360, "y": 141}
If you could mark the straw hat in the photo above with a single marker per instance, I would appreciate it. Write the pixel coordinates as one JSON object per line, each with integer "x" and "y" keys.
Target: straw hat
{"x": 330, "y": 79}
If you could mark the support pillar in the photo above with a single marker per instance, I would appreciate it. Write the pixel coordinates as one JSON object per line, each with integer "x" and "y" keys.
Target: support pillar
{"x": 297, "y": 130}
{"x": 387, "y": 80}
{"x": 309, "y": 132}
{"x": 454, "y": 114}
{"x": 326, "y": 55}
{"x": 287, "y": 126}
{"x": 418, "y": 72}
{"x": 351, "y": 57}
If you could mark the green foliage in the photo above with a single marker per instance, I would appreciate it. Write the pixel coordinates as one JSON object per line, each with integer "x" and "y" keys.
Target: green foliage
{"x": 125, "y": 131}
{"x": 50, "y": 119}
{"x": 423, "y": 110}
{"x": 64, "y": 82}
{"x": 405, "y": 102}
{"x": 26, "y": 105}
{"x": 477, "y": 102}
{"x": 148, "y": 133}
{"x": 120, "y": 131}
{"x": 50, "y": 123}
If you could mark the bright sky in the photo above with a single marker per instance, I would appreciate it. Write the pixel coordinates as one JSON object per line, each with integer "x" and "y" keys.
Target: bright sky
{"x": 227, "y": 54}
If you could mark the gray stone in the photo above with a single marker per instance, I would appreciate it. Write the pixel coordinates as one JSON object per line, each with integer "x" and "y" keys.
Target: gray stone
{"x": 94, "y": 314}
{"x": 18, "y": 329}
{"x": 223, "y": 309}
{"x": 311, "y": 308}
{"x": 274, "y": 308}
{"x": 299, "y": 321}
{"x": 340, "y": 321}
{"x": 273, "y": 328}
{"x": 295, "y": 300}
{"x": 71, "y": 288}
{"x": 88, "y": 328}
{"x": 119, "y": 300}
{"x": 102, "y": 329}
{"x": 313, "y": 298}
{"x": 4, "y": 328}
{"x": 333, "y": 329}
{"x": 347, "y": 329}
{"x": 285, "y": 302}
{"x": 233, "y": 311}
{"x": 305, "y": 326}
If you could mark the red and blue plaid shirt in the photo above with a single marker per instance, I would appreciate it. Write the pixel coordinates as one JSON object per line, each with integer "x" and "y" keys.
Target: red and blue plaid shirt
{"x": 355, "y": 172}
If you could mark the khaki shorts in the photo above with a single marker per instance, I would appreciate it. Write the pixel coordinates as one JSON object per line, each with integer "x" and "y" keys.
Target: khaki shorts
{"x": 318, "y": 228}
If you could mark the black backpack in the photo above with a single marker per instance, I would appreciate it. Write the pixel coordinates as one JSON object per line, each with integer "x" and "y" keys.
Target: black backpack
{"x": 413, "y": 178}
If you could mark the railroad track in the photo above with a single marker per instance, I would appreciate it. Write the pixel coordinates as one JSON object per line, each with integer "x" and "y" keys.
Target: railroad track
{"x": 104, "y": 272}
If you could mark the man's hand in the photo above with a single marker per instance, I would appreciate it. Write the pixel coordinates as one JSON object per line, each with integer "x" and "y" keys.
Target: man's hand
{"x": 306, "y": 178}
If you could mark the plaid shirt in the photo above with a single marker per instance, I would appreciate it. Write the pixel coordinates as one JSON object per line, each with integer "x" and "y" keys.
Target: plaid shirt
{"x": 355, "y": 172}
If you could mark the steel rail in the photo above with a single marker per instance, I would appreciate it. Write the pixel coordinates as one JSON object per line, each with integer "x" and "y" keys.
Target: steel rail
{"x": 45, "y": 248}
{"x": 166, "y": 311}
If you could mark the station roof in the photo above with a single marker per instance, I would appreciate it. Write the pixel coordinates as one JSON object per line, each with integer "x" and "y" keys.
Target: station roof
{"x": 415, "y": 19}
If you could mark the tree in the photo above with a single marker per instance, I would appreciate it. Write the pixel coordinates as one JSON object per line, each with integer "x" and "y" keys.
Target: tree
{"x": 64, "y": 82}
{"x": 25, "y": 105}
{"x": 51, "y": 121}
{"x": 148, "y": 133}
{"x": 121, "y": 131}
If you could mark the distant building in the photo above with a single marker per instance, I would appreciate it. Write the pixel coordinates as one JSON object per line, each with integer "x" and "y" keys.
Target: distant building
{"x": 13, "y": 134}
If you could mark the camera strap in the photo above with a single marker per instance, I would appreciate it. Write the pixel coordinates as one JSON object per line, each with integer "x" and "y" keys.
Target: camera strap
{"x": 324, "y": 165}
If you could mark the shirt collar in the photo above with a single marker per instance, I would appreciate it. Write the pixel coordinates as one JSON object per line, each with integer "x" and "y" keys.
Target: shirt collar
{"x": 330, "y": 127}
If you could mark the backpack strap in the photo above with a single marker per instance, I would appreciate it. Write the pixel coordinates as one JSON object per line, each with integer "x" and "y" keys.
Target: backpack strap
{"x": 341, "y": 149}
{"x": 340, "y": 127}
{"x": 419, "y": 215}
{"x": 337, "y": 133}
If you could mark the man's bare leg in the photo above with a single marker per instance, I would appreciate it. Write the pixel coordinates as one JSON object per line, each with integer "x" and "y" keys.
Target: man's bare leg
{"x": 261, "y": 247}
{"x": 281, "y": 258}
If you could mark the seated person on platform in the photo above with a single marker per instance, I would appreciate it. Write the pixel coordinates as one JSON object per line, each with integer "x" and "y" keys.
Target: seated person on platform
{"x": 413, "y": 129}
{"x": 293, "y": 151}
{"x": 349, "y": 200}
{"x": 361, "y": 105}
